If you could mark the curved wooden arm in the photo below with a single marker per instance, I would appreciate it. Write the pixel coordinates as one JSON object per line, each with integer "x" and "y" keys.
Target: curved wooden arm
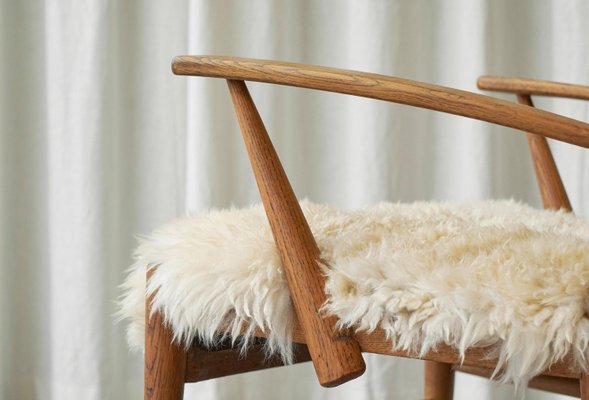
{"x": 391, "y": 89}
{"x": 533, "y": 87}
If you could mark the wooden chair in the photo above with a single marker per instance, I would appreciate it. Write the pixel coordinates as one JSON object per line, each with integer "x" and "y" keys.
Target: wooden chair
{"x": 553, "y": 196}
{"x": 336, "y": 355}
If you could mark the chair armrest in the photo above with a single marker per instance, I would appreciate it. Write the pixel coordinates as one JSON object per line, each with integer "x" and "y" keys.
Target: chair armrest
{"x": 533, "y": 87}
{"x": 391, "y": 89}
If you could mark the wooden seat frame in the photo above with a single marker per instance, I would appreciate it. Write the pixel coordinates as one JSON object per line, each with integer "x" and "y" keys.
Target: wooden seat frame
{"x": 336, "y": 355}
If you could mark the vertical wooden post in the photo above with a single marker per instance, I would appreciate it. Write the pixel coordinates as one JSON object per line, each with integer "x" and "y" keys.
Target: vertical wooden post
{"x": 165, "y": 361}
{"x": 584, "y": 385}
{"x": 336, "y": 356}
{"x": 439, "y": 381}
{"x": 551, "y": 188}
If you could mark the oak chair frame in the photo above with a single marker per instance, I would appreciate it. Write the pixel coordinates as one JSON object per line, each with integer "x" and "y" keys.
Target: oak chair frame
{"x": 336, "y": 355}
{"x": 552, "y": 192}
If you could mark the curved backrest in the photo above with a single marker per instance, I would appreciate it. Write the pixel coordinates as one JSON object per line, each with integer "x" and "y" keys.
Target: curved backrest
{"x": 549, "y": 181}
{"x": 391, "y": 89}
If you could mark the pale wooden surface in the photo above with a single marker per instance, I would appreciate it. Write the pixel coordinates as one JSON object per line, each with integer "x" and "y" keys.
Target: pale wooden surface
{"x": 533, "y": 87}
{"x": 336, "y": 357}
{"x": 165, "y": 361}
{"x": 387, "y": 88}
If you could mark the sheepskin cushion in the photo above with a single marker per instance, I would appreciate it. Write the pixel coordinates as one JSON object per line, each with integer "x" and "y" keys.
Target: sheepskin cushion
{"x": 489, "y": 273}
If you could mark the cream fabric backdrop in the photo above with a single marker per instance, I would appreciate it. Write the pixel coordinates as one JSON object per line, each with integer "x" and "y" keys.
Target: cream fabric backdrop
{"x": 99, "y": 141}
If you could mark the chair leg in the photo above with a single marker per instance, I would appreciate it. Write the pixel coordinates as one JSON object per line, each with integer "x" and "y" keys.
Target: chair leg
{"x": 439, "y": 381}
{"x": 165, "y": 361}
{"x": 584, "y": 384}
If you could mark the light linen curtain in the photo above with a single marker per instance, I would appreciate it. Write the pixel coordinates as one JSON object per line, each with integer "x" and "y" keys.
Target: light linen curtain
{"x": 99, "y": 142}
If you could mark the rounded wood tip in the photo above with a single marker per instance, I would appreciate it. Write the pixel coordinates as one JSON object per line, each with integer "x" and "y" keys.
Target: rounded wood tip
{"x": 483, "y": 82}
{"x": 533, "y": 87}
{"x": 350, "y": 374}
{"x": 175, "y": 64}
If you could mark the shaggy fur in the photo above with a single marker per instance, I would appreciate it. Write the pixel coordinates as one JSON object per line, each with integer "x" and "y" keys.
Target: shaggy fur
{"x": 427, "y": 273}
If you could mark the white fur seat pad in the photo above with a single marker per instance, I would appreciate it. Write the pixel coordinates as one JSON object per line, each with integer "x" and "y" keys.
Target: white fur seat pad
{"x": 494, "y": 272}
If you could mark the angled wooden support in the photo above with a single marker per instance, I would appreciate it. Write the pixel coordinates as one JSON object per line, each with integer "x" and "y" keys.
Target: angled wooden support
{"x": 165, "y": 360}
{"x": 552, "y": 190}
{"x": 336, "y": 355}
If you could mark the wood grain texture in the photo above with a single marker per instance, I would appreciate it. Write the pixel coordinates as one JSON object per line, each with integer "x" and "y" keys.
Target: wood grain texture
{"x": 165, "y": 360}
{"x": 584, "y": 387}
{"x": 551, "y": 187}
{"x": 336, "y": 356}
{"x": 533, "y": 87}
{"x": 391, "y": 89}
{"x": 376, "y": 342}
{"x": 566, "y": 386}
{"x": 552, "y": 191}
{"x": 439, "y": 381}
{"x": 203, "y": 364}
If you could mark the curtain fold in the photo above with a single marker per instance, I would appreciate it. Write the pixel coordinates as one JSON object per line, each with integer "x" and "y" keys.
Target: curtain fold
{"x": 99, "y": 142}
